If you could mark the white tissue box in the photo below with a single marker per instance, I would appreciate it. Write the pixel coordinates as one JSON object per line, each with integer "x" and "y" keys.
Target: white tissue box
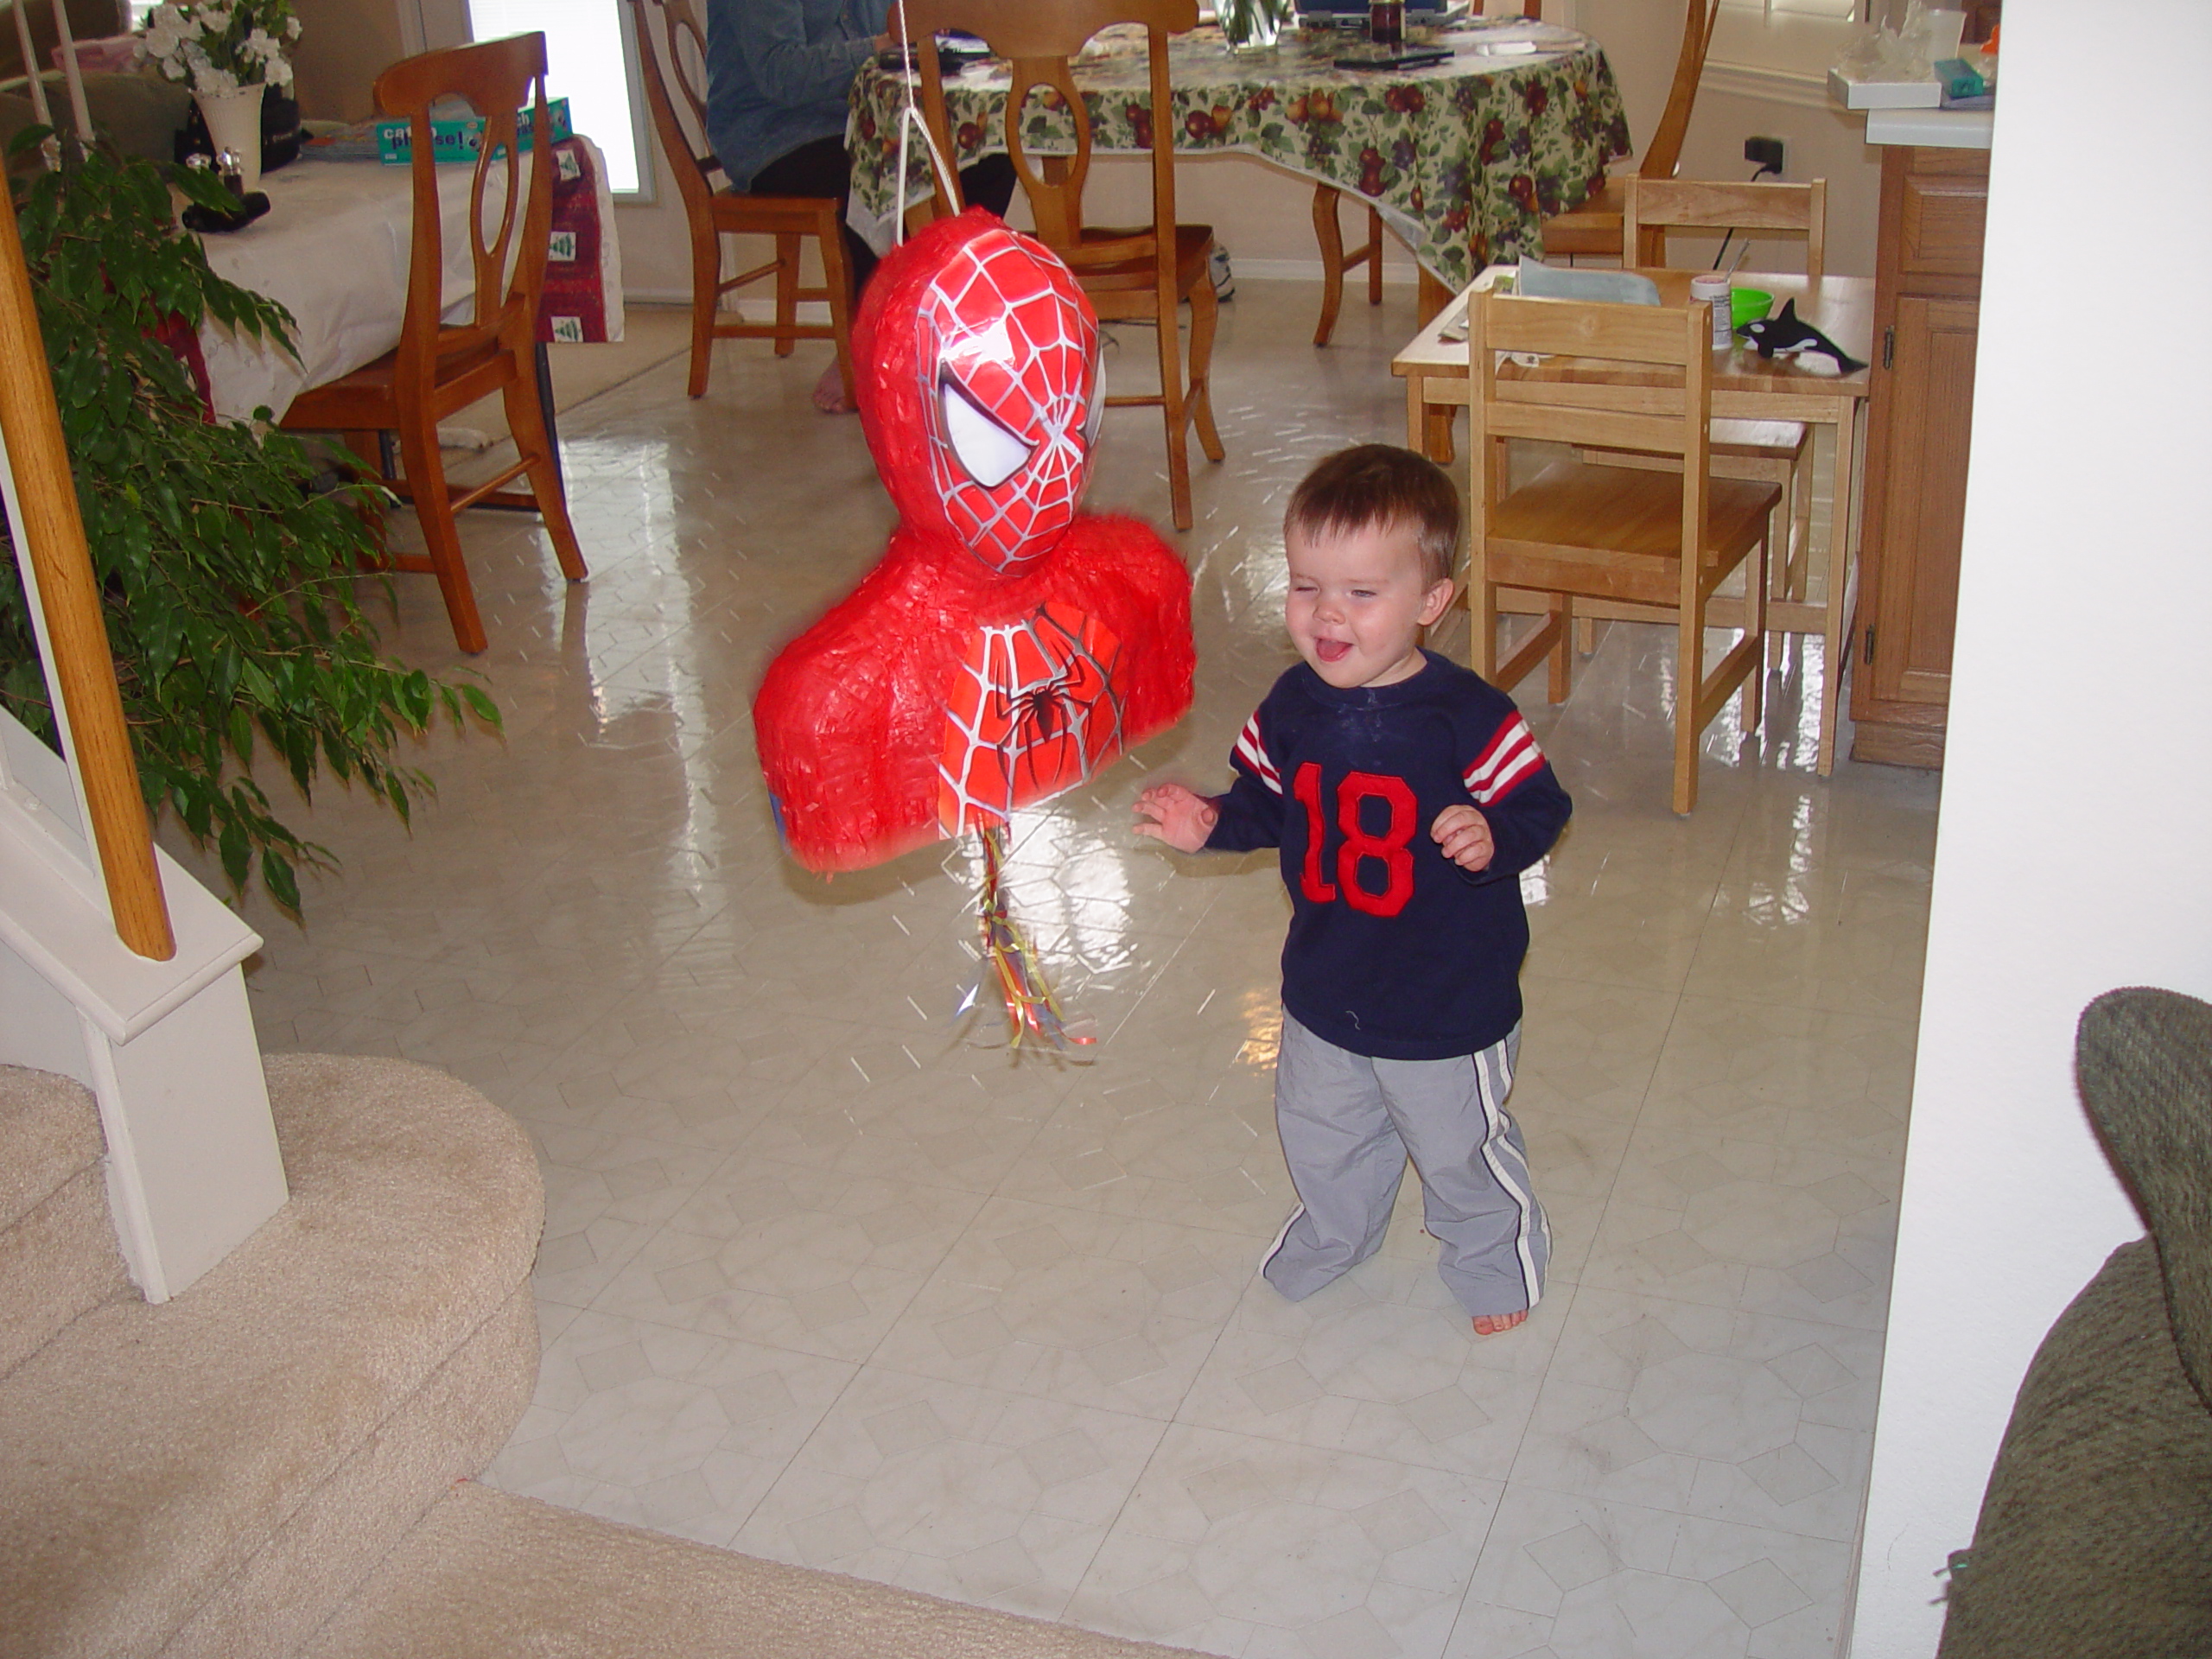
{"x": 1885, "y": 94}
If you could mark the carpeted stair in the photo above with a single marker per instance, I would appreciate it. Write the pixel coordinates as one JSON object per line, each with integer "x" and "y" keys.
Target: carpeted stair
{"x": 214, "y": 1475}
{"x": 277, "y": 1462}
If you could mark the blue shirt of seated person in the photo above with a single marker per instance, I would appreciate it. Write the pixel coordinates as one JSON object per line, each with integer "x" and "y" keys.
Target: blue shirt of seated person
{"x": 779, "y": 72}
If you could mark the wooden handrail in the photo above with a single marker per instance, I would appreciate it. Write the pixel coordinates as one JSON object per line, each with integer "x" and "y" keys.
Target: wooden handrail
{"x": 69, "y": 596}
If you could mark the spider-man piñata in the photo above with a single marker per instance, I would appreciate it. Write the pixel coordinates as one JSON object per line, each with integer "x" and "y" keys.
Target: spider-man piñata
{"x": 1006, "y": 647}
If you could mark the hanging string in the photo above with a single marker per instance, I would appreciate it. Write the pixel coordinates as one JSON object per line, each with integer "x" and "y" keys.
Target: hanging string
{"x": 910, "y": 121}
{"x": 1032, "y": 1012}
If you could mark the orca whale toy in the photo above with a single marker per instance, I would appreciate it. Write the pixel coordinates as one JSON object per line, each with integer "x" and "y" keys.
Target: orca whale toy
{"x": 1786, "y": 335}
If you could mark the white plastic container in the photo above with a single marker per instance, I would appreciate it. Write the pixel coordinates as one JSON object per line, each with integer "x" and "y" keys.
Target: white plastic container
{"x": 1713, "y": 290}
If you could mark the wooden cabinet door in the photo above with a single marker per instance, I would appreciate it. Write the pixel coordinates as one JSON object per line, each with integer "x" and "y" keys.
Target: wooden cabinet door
{"x": 1923, "y": 506}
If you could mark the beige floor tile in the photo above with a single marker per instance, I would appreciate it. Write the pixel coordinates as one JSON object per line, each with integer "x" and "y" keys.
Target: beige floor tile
{"x": 1098, "y": 1310}
{"x": 1239, "y": 1544}
{"x": 971, "y": 1493}
{"x": 673, "y": 1429}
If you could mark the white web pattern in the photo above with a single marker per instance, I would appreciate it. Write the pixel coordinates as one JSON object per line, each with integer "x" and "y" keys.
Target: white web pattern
{"x": 1039, "y": 339}
{"x": 1035, "y": 708}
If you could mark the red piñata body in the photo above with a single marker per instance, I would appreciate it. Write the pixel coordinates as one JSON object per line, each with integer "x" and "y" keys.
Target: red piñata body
{"x": 1006, "y": 647}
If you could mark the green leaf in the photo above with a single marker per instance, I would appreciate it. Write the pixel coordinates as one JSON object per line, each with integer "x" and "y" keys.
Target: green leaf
{"x": 233, "y": 597}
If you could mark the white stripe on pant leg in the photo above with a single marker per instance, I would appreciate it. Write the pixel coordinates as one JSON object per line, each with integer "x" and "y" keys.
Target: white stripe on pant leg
{"x": 1281, "y": 1235}
{"x": 1530, "y": 1283}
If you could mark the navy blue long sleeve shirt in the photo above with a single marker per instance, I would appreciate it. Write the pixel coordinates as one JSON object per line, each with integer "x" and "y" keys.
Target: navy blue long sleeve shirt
{"x": 1394, "y": 952}
{"x": 779, "y": 72}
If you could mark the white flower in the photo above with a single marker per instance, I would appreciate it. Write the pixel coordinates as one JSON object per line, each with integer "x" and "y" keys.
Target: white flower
{"x": 281, "y": 72}
{"x": 215, "y": 20}
{"x": 292, "y": 28}
{"x": 259, "y": 45}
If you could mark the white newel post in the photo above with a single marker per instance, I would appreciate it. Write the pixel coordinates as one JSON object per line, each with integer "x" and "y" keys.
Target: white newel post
{"x": 168, "y": 1048}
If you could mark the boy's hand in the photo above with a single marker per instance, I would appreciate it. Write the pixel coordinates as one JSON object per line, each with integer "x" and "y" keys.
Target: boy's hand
{"x": 1179, "y": 817}
{"x": 1464, "y": 834}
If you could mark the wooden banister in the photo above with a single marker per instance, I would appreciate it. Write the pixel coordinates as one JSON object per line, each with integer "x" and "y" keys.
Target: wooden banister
{"x": 69, "y": 596}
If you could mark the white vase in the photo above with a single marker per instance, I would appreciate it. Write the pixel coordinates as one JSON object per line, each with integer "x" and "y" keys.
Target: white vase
{"x": 234, "y": 124}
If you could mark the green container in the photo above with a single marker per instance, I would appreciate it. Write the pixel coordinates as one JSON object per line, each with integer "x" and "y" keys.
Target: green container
{"x": 459, "y": 140}
{"x": 1748, "y": 305}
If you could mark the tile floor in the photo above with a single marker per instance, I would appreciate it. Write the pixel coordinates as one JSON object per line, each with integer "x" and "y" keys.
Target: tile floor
{"x": 829, "y": 1279}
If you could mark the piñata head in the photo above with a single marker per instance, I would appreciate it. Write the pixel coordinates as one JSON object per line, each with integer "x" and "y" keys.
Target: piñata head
{"x": 985, "y": 362}
{"x": 1008, "y": 646}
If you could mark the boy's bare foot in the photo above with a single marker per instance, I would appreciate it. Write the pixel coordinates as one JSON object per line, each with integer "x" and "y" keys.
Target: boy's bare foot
{"x": 829, "y": 392}
{"x": 1489, "y": 1324}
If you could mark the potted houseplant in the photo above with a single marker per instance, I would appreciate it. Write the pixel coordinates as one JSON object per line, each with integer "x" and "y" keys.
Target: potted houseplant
{"x": 229, "y": 581}
{"x": 229, "y": 53}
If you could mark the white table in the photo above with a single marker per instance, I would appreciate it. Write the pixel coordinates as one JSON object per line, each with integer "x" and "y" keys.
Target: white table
{"x": 333, "y": 249}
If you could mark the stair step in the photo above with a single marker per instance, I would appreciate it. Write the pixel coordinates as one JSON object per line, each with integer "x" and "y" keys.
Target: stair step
{"x": 58, "y": 1256}
{"x": 213, "y": 1474}
{"x": 489, "y": 1575}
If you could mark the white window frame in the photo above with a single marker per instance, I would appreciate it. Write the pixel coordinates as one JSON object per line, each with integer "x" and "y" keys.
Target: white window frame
{"x": 641, "y": 130}
{"x": 1765, "y": 48}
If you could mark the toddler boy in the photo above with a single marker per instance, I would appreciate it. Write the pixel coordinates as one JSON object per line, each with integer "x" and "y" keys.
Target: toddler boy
{"x": 1406, "y": 796}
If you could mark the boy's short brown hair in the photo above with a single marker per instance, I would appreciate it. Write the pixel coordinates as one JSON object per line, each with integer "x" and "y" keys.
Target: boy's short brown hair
{"x": 1374, "y": 485}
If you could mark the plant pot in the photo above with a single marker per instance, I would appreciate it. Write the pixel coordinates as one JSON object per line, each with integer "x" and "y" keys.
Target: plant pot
{"x": 234, "y": 124}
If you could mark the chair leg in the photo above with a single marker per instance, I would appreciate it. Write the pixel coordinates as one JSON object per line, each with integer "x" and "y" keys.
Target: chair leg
{"x": 426, "y": 481}
{"x": 837, "y": 277}
{"x": 1174, "y": 412}
{"x": 1562, "y": 662}
{"x": 1689, "y": 682}
{"x": 787, "y": 292}
{"x": 706, "y": 279}
{"x": 1755, "y": 592}
{"x": 1330, "y": 235}
{"x": 527, "y": 420}
{"x": 1374, "y": 257}
{"x": 1206, "y": 311}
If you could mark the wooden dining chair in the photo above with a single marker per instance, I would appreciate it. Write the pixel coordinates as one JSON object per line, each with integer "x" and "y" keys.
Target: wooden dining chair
{"x": 439, "y": 367}
{"x": 1576, "y": 530}
{"x": 1328, "y": 231}
{"x": 1141, "y": 274}
{"x": 672, "y": 52}
{"x": 1777, "y": 451}
{"x": 1594, "y": 227}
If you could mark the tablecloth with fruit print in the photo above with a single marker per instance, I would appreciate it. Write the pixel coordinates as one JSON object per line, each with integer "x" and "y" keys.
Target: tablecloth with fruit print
{"x": 1463, "y": 157}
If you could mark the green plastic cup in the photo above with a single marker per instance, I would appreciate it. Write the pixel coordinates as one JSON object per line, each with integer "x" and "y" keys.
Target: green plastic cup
{"x": 1748, "y": 305}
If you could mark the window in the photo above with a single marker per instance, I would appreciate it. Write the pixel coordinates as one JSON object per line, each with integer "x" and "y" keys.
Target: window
{"x": 591, "y": 61}
{"x": 1782, "y": 48}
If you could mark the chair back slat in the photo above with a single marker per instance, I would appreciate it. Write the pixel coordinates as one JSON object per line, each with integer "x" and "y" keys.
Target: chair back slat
{"x": 1625, "y": 333}
{"x": 1039, "y": 41}
{"x": 1651, "y": 208}
{"x": 1559, "y": 422}
{"x": 671, "y": 56}
{"x": 508, "y": 255}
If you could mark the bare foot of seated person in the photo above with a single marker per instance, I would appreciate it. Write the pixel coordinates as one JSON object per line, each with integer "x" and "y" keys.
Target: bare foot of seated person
{"x": 1491, "y": 1325}
{"x": 829, "y": 392}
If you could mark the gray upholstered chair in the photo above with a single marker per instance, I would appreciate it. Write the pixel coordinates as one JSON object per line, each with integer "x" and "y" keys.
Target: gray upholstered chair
{"x": 2095, "y": 1536}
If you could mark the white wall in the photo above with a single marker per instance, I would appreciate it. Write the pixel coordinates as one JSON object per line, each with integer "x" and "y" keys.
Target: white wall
{"x": 2077, "y": 791}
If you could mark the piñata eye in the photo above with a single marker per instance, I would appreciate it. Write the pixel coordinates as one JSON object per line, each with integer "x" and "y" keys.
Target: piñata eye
{"x": 990, "y": 454}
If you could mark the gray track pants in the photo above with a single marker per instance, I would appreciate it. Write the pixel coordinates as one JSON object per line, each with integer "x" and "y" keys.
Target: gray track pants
{"x": 1347, "y": 1124}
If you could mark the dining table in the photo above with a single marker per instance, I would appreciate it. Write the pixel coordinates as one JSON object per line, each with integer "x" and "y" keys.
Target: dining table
{"x": 1462, "y": 158}
{"x": 333, "y": 249}
{"x": 1746, "y": 386}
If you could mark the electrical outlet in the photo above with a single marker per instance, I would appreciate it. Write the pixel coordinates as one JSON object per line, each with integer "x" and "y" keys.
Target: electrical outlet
{"x": 1765, "y": 152}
